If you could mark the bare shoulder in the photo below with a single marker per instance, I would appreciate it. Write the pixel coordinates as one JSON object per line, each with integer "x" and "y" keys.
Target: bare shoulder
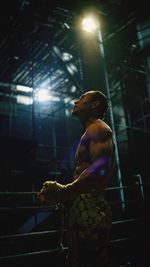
{"x": 100, "y": 130}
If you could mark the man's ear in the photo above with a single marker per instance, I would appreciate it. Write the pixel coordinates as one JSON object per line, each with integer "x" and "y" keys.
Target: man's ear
{"x": 95, "y": 104}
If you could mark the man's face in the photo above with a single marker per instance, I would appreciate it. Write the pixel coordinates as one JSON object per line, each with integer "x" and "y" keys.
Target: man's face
{"x": 82, "y": 105}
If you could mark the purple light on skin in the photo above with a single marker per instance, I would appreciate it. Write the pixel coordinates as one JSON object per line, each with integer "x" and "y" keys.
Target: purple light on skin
{"x": 98, "y": 165}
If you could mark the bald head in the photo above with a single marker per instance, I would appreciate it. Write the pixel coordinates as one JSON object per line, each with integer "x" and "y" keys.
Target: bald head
{"x": 101, "y": 99}
{"x": 91, "y": 104}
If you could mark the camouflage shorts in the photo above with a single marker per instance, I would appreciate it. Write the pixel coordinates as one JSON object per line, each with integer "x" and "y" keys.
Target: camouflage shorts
{"x": 89, "y": 214}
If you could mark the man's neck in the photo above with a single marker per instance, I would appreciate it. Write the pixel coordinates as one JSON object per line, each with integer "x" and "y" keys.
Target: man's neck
{"x": 87, "y": 122}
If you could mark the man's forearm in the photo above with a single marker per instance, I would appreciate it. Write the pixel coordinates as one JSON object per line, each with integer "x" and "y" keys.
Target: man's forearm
{"x": 90, "y": 178}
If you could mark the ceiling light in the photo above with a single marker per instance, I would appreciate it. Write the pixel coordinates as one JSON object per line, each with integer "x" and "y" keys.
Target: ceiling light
{"x": 89, "y": 24}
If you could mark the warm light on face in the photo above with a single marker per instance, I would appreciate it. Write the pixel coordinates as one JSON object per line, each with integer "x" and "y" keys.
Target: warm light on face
{"x": 89, "y": 24}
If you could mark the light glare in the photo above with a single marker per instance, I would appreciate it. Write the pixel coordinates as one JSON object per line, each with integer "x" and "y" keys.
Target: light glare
{"x": 89, "y": 24}
{"x": 42, "y": 95}
{"x": 25, "y": 89}
{"x": 66, "y": 56}
{"x": 25, "y": 100}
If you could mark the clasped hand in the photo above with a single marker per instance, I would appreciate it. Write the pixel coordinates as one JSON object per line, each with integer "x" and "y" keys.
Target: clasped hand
{"x": 51, "y": 193}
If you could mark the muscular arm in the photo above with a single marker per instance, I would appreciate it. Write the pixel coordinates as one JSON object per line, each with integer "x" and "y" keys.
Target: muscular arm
{"x": 101, "y": 154}
{"x": 95, "y": 176}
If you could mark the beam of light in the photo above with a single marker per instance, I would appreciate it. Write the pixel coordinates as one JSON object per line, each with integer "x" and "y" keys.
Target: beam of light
{"x": 42, "y": 95}
{"x": 25, "y": 100}
{"x": 29, "y": 225}
{"x": 23, "y": 88}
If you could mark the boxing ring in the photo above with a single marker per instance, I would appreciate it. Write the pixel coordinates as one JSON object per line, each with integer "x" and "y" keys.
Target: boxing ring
{"x": 26, "y": 247}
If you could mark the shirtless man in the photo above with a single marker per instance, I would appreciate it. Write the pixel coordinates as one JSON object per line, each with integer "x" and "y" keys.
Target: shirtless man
{"x": 89, "y": 218}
